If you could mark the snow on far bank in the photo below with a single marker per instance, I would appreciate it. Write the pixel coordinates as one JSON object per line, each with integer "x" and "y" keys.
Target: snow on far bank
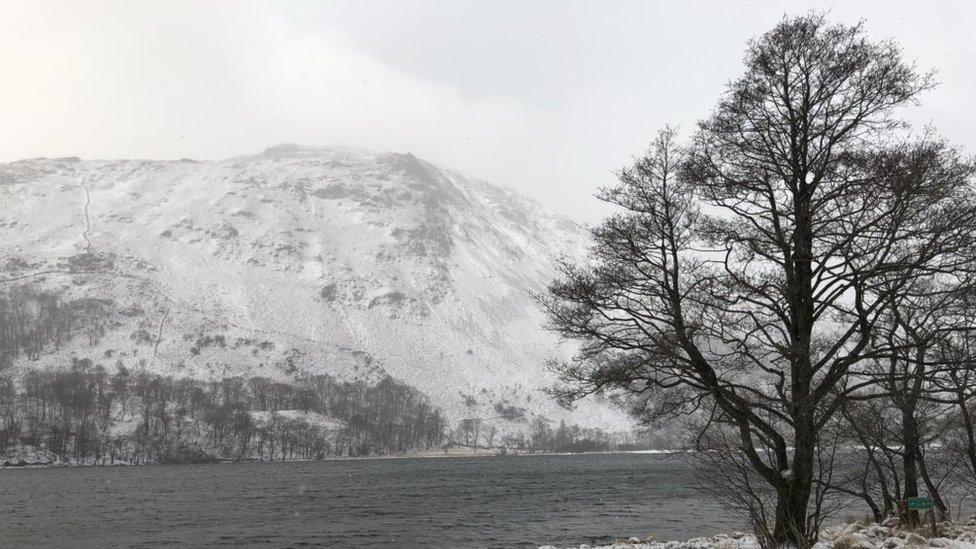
{"x": 25, "y": 455}
{"x": 848, "y": 536}
{"x": 311, "y": 418}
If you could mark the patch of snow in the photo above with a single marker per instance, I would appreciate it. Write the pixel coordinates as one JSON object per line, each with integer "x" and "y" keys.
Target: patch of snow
{"x": 848, "y": 536}
{"x": 311, "y": 418}
{"x": 25, "y": 455}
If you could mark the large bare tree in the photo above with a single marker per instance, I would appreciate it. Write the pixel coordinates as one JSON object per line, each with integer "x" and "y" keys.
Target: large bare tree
{"x": 746, "y": 272}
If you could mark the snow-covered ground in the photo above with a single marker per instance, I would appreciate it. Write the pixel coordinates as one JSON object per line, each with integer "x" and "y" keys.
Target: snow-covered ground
{"x": 25, "y": 455}
{"x": 310, "y": 418}
{"x": 28, "y": 456}
{"x": 848, "y": 536}
{"x": 300, "y": 261}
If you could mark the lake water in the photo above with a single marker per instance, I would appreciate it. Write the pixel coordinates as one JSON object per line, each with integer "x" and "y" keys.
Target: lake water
{"x": 436, "y": 502}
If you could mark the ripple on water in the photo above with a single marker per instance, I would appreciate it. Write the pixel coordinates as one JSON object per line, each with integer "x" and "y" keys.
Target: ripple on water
{"x": 443, "y": 502}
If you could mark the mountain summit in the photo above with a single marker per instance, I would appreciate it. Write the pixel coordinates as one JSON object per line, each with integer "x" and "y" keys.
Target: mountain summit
{"x": 297, "y": 261}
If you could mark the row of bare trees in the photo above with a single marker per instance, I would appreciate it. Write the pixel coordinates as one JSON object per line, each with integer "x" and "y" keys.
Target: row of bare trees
{"x": 914, "y": 426}
{"x": 84, "y": 411}
{"x": 792, "y": 281}
{"x": 541, "y": 436}
{"x": 89, "y": 415}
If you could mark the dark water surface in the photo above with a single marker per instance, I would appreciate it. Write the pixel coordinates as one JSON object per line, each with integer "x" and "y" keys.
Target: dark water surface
{"x": 435, "y": 502}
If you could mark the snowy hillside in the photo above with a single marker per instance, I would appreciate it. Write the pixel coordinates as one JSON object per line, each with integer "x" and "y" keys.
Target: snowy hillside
{"x": 298, "y": 260}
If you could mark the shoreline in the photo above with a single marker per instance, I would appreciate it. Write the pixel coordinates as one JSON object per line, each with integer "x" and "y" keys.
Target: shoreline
{"x": 861, "y": 535}
{"x": 422, "y": 455}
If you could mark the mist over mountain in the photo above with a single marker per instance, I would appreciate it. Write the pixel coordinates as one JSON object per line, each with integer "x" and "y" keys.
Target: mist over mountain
{"x": 298, "y": 261}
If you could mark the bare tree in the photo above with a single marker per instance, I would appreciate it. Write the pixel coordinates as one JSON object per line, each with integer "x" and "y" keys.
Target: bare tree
{"x": 909, "y": 413}
{"x": 957, "y": 386}
{"x": 747, "y": 272}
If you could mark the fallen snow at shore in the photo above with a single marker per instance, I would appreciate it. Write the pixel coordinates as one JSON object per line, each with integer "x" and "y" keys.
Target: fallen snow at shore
{"x": 25, "y": 455}
{"x": 849, "y": 536}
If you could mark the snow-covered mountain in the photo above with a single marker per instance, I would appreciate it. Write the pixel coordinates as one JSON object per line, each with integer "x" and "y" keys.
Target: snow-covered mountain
{"x": 299, "y": 260}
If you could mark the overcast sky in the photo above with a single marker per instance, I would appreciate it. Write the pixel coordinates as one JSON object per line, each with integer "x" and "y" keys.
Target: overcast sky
{"x": 545, "y": 97}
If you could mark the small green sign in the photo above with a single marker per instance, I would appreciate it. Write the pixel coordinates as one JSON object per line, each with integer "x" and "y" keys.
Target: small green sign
{"x": 920, "y": 504}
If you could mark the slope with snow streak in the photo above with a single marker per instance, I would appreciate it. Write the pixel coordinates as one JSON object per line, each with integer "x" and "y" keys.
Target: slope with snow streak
{"x": 300, "y": 260}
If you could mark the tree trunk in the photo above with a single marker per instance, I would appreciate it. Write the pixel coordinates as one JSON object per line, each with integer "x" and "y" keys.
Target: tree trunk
{"x": 791, "y": 514}
{"x": 909, "y": 465}
{"x": 940, "y": 504}
{"x": 967, "y": 424}
{"x": 793, "y": 494}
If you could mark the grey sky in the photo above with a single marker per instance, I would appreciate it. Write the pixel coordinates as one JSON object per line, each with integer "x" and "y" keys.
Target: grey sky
{"x": 546, "y": 97}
